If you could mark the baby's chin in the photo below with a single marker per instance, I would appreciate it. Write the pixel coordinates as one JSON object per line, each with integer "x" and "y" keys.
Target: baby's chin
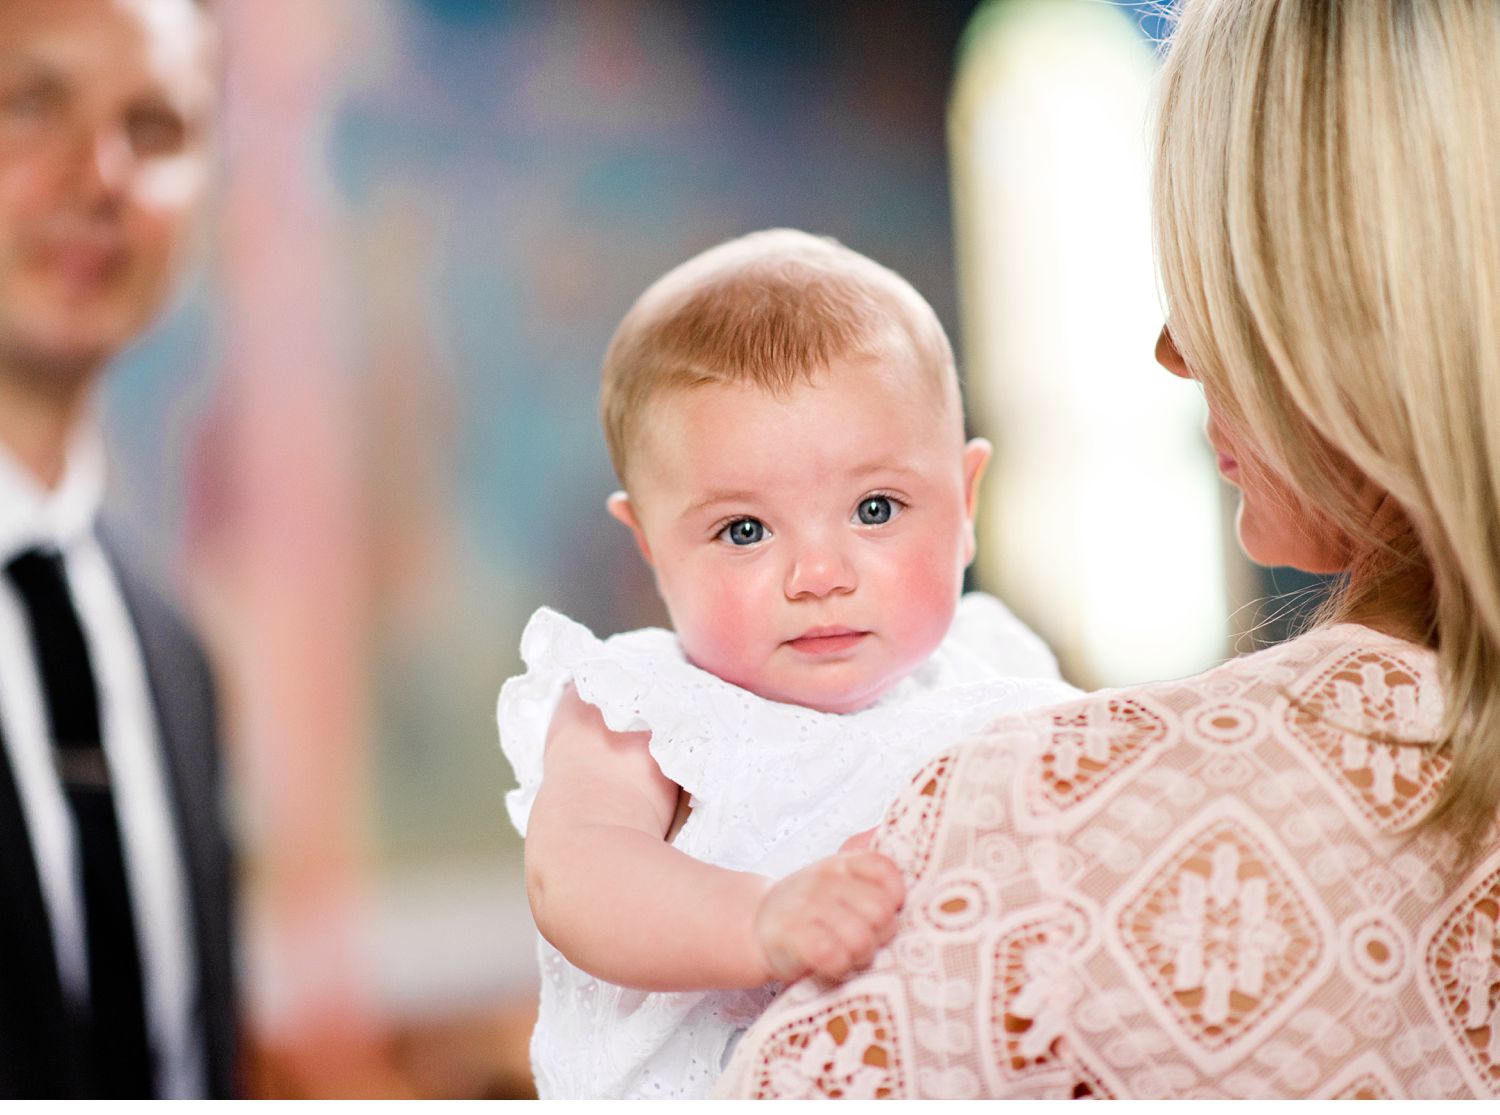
{"x": 840, "y": 701}
{"x": 839, "y": 688}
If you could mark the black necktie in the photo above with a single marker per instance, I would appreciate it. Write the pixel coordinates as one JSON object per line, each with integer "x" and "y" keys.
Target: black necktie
{"x": 114, "y": 1027}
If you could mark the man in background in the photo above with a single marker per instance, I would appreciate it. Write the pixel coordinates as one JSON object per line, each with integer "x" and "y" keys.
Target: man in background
{"x": 115, "y": 956}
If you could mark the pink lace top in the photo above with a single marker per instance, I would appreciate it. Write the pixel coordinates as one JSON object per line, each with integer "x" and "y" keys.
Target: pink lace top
{"x": 1204, "y": 888}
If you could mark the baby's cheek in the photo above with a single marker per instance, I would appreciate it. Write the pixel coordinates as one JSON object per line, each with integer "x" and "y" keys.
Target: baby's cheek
{"x": 722, "y": 627}
{"x": 929, "y": 592}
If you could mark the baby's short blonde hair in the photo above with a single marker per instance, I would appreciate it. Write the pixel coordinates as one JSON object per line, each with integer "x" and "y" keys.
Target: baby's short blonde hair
{"x": 771, "y": 309}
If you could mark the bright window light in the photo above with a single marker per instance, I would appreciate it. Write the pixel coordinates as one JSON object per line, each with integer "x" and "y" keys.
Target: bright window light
{"x": 1101, "y": 522}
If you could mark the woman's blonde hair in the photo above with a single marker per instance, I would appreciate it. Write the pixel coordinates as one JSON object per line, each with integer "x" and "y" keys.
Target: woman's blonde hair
{"x": 1327, "y": 217}
{"x": 772, "y": 309}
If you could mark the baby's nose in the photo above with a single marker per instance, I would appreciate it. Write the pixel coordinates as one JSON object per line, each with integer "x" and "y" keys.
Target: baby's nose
{"x": 820, "y": 570}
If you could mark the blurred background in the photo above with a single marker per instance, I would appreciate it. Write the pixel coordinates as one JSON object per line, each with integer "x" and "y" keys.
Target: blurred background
{"x": 374, "y": 404}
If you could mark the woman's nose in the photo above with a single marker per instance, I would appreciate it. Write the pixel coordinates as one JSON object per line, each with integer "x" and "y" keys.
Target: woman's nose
{"x": 1168, "y": 356}
{"x": 820, "y": 570}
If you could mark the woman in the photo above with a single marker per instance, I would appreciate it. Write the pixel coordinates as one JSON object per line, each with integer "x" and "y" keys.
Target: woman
{"x": 1282, "y": 877}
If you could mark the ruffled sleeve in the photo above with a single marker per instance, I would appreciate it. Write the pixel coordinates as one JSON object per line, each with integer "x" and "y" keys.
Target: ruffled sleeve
{"x": 623, "y": 677}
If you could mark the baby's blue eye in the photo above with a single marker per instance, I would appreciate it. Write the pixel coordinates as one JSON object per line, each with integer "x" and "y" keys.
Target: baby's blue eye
{"x": 744, "y": 532}
{"x": 875, "y": 510}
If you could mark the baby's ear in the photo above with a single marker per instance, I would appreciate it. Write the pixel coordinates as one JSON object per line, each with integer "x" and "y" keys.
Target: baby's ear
{"x": 976, "y": 458}
{"x": 619, "y": 506}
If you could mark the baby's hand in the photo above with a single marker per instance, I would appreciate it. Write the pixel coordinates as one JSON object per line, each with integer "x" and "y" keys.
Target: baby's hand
{"x": 830, "y": 917}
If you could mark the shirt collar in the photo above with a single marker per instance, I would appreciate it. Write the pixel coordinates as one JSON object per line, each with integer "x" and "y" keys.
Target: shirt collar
{"x": 30, "y": 515}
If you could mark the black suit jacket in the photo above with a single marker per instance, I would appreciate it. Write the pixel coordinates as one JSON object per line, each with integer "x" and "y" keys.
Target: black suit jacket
{"x": 36, "y": 1049}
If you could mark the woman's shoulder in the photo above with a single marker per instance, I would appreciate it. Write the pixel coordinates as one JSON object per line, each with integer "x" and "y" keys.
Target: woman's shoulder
{"x": 1344, "y": 713}
{"x": 1375, "y": 681}
{"x": 1159, "y": 885}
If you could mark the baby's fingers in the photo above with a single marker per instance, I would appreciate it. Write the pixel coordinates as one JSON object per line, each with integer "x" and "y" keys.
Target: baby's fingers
{"x": 872, "y": 903}
{"x": 859, "y": 842}
{"x": 875, "y": 868}
{"x": 846, "y": 942}
{"x": 814, "y": 948}
{"x": 786, "y": 960}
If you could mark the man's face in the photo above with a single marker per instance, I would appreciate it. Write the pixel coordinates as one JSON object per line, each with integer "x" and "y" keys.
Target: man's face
{"x": 104, "y": 110}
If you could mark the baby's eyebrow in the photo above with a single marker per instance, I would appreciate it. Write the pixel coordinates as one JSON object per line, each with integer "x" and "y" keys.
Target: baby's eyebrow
{"x": 886, "y": 467}
{"x": 712, "y": 499}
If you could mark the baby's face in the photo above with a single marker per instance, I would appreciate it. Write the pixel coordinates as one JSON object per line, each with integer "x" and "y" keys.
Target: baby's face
{"x": 810, "y": 548}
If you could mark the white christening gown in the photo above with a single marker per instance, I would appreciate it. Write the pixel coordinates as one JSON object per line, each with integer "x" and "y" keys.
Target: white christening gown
{"x": 773, "y": 787}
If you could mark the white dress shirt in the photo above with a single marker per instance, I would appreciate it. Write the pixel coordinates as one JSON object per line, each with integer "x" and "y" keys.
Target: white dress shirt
{"x": 63, "y": 519}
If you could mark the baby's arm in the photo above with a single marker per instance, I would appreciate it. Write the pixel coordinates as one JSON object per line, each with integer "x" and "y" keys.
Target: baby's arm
{"x": 621, "y": 903}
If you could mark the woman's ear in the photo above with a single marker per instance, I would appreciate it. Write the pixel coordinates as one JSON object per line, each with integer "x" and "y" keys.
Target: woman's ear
{"x": 976, "y": 458}
{"x": 619, "y": 506}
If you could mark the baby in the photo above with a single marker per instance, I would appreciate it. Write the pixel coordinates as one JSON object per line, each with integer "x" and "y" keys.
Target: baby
{"x": 785, "y": 418}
